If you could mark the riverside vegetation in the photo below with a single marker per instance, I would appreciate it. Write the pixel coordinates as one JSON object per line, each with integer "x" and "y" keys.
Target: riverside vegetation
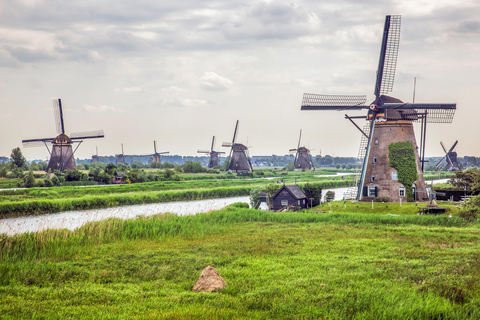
{"x": 308, "y": 265}
{"x": 16, "y": 202}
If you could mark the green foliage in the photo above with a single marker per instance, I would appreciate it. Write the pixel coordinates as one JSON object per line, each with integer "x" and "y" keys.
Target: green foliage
{"x": 241, "y": 205}
{"x": 471, "y": 209}
{"x": 193, "y": 167}
{"x": 75, "y": 175}
{"x": 255, "y": 197}
{"x": 468, "y": 180}
{"x": 29, "y": 180}
{"x": 3, "y": 170}
{"x": 314, "y": 191}
{"x": 290, "y": 166}
{"x": 330, "y": 195}
{"x": 402, "y": 158}
{"x": 17, "y": 158}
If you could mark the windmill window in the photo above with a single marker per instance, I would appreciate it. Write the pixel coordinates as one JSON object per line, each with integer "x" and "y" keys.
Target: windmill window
{"x": 376, "y": 140}
{"x": 284, "y": 202}
{"x": 372, "y": 178}
{"x": 374, "y": 159}
{"x": 394, "y": 175}
{"x": 372, "y": 191}
{"x": 401, "y": 191}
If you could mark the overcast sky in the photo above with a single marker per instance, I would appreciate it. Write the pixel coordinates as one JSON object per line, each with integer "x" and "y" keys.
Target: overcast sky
{"x": 180, "y": 72}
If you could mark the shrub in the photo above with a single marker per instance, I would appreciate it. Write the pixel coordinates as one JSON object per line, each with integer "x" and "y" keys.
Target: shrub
{"x": 470, "y": 210}
{"x": 240, "y": 205}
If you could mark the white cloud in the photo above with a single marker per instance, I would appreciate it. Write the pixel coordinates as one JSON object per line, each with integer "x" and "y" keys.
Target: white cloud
{"x": 212, "y": 81}
{"x": 185, "y": 102}
{"x": 101, "y": 108}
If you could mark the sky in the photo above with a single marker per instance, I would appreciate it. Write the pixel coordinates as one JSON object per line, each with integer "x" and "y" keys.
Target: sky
{"x": 180, "y": 72}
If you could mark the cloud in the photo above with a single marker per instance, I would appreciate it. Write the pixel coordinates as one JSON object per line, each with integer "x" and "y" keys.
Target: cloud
{"x": 184, "y": 102}
{"x": 100, "y": 108}
{"x": 212, "y": 81}
{"x": 130, "y": 89}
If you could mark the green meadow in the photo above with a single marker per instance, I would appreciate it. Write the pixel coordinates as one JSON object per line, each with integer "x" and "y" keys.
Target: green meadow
{"x": 370, "y": 264}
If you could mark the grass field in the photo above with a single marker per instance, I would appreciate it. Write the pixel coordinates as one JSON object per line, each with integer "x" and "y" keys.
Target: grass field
{"x": 303, "y": 265}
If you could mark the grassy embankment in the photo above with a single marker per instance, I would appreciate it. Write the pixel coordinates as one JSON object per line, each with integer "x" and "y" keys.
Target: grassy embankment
{"x": 57, "y": 199}
{"x": 276, "y": 265}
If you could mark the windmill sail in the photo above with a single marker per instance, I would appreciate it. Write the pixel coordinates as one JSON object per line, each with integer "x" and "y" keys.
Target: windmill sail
{"x": 390, "y": 120}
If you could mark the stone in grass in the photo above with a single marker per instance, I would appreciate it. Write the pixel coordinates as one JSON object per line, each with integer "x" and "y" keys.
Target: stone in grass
{"x": 209, "y": 281}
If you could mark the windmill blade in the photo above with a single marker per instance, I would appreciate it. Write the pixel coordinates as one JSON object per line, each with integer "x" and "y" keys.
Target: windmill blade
{"x": 35, "y": 143}
{"x": 226, "y": 144}
{"x": 213, "y": 144}
{"x": 165, "y": 152}
{"x": 220, "y": 152}
{"x": 312, "y": 101}
{"x": 203, "y": 151}
{"x": 154, "y": 146}
{"x": 388, "y": 55}
{"x": 58, "y": 112}
{"x": 453, "y": 147}
{"x": 87, "y": 135}
{"x": 443, "y": 147}
{"x": 235, "y": 133}
{"x": 300, "y": 137}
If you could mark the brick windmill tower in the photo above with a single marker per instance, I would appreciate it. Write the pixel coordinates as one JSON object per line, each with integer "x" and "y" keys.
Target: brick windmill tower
{"x": 392, "y": 163}
{"x": 62, "y": 153}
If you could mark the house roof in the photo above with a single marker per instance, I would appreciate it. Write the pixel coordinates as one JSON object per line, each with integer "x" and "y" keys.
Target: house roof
{"x": 294, "y": 190}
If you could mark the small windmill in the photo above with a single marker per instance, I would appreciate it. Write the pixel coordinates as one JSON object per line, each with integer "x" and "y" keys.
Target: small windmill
{"x": 120, "y": 157}
{"x": 214, "y": 160}
{"x": 239, "y": 156}
{"x": 389, "y": 121}
{"x": 303, "y": 158}
{"x": 450, "y": 156}
{"x": 62, "y": 153}
{"x": 95, "y": 156}
{"x": 156, "y": 155}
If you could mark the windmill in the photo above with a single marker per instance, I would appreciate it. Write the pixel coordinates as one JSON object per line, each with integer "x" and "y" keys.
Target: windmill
{"x": 303, "y": 158}
{"x": 120, "y": 157}
{"x": 450, "y": 156}
{"x": 214, "y": 161}
{"x": 156, "y": 155}
{"x": 95, "y": 156}
{"x": 239, "y": 156}
{"x": 389, "y": 121}
{"x": 62, "y": 153}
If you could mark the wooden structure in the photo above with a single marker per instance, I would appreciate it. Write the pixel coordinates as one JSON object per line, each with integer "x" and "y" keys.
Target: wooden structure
{"x": 289, "y": 195}
{"x": 303, "y": 158}
{"x": 214, "y": 160}
{"x": 62, "y": 153}
{"x": 389, "y": 120}
{"x": 239, "y": 158}
{"x": 120, "y": 158}
{"x": 156, "y": 155}
{"x": 95, "y": 156}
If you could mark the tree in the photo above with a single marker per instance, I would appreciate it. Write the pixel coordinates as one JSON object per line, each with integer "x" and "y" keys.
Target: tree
{"x": 29, "y": 179}
{"x": 17, "y": 158}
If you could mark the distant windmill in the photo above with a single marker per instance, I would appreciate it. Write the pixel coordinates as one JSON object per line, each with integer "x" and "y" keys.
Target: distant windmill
{"x": 389, "y": 121}
{"x": 214, "y": 160}
{"x": 450, "y": 156}
{"x": 62, "y": 153}
{"x": 120, "y": 157}
{"x": 95, "y": 156}
{"x": 303, "y": 158}
{"x": 156, "y": 155}
{"x": 239, "y": 156}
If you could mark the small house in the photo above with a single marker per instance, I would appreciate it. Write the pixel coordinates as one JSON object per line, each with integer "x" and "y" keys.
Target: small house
{"x": 289, "y": 195}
